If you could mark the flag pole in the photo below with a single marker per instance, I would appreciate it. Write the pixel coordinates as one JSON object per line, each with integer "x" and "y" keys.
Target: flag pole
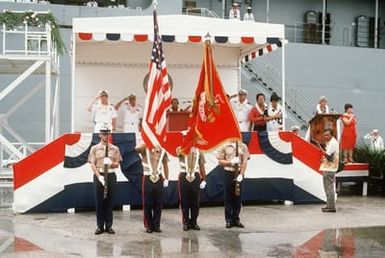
{"x": 208, "y": 42}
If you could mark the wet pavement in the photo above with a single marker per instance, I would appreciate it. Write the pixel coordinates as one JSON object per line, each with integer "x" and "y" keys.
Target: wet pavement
{"x": 356, "y": 230}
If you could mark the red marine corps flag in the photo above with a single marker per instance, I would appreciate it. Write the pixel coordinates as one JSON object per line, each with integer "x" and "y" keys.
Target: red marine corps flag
{"x": 212, "y": 120}
{"x": 158, "y": 97}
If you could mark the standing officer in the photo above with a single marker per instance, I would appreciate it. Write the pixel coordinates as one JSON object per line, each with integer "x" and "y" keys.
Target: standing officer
{"x": 154, "y": 161}
{"x": 103, "y": 113}
{"x": 132, "y": 114}
{"x": 192, "y": 176}
{"x": 242, "y": 110}
{"x": 231, "y": 162}
{"x": 101, "y": 158}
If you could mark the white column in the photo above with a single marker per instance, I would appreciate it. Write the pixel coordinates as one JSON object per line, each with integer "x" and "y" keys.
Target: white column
{"x": 48, "y": 136}
{"x": 267, "y": 11}
{"x": 223, "y": 9}
{"x": 73, "y": 75}
{"x": 376, "y": 26}
{"x": 283, "y": 86}
{"x": 323, "y": 20}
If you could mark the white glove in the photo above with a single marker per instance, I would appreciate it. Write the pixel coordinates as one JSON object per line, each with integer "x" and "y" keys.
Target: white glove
{"x": 202, "y": 185}
{"x": 165, "y": 183}
{"x": 234, "y": 161}
{"x": 101, "y": 180}
{"x": 239, "y": 178}
{"x": 107, "y": 161}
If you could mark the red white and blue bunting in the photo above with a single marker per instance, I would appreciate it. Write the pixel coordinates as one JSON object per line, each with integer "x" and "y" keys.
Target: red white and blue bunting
{"x": 269, "y": 44}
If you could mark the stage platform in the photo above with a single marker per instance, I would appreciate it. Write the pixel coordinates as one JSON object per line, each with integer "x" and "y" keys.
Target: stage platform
{"x": 282, "y": 167}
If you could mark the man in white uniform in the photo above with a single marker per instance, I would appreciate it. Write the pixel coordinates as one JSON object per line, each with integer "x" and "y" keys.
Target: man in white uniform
{"x": 374, "y": 140}
{"x": 103, "y": 112}
{"x": 242, "y": 109}
{"x": 248, "y": 15}
{"x": 132, "y": 114}
{"x": 234, "y": 12}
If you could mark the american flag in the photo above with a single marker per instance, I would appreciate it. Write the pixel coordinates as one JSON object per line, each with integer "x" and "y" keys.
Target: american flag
{"x": 158, "y": 97}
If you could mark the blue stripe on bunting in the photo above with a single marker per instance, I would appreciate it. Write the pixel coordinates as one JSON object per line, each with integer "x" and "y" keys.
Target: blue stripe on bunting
{"x": 273, "y": 153}
{"x": 273, "y": 40}
{"x": 168, "y": 38}
{"x": 113, "y": 36}
{"x": 221, "y": 39}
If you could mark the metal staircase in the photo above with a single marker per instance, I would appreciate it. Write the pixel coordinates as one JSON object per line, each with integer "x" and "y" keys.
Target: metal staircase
{"x": 202, "y": 12}
{"x": 269, "y": 79}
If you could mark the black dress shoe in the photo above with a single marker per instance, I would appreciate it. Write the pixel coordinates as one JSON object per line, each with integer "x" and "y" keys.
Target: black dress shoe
{"x": 239, "y": 225}
{"x": 148, "y": 230}
{"x": 228, "y": 225}
{"x": 110, "y": 231}
{"x": 328, "y": 210}
{"x": 196, "y": 227}
{"x": 157, "y": 230}
{"x": 98, "y": 231}
{"x": 186, "y": 227}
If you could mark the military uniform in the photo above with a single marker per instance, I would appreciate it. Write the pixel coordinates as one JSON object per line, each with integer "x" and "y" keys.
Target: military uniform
{"x": 152, "y": 187}
{"x": 104, "y": 207}
{"x": 189, "y": 183}
{"x": 132, "y": 115}
{"x": 242, "y": 111}
{"x": 232, "y": 202}
{"x": 102, "y": 116}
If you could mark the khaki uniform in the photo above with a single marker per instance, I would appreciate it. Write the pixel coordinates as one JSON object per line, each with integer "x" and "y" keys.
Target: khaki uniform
{"x": 232, "y": 201}
{"x": 104, "y": 207}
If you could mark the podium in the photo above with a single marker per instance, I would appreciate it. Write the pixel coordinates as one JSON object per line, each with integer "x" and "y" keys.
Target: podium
{"x": 320, "y": 122}
{"x": 177, "y": 121}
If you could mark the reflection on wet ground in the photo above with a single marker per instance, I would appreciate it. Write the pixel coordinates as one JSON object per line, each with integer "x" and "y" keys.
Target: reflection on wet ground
{"x": 271, "y": 231}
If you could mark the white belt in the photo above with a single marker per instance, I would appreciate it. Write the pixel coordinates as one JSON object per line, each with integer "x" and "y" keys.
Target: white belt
{"x": 148, "y": 173}
{"x": 229, "y": 169}
{"x": 101, "y": 170}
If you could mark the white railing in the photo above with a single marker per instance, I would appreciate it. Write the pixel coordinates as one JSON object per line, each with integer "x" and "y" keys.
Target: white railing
{"x": 36, "y": 40}
{"x": 335, "y": 34}
{"x": 8, "y": 151}
{"x": 296, "y": 103}
{"x": 202, "y": 12}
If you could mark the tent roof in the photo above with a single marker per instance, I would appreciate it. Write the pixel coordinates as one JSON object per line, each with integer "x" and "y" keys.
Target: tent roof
{"x": 247, "y": 36}
{"x": 179, "y": 25}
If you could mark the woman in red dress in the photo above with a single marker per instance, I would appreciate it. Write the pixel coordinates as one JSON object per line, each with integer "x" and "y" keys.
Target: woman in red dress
{"x": 349, "y": 133}
{"x": 257, "y": 115}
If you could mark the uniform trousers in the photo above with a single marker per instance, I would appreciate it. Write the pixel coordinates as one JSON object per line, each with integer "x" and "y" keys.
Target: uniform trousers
{"x": 152, "y": 198}
{"x": 232, "y": 202}
{"x": 329, "y": 187}
{"x": 104, "y": 207}
{"x": 189, "y": 198}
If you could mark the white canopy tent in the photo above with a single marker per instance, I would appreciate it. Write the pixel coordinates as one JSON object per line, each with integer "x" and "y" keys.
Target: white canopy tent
{"x": 114, "y": 52}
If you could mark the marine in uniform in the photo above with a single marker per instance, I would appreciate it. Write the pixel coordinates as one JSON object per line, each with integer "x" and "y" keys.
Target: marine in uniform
{"x": 103, "y": 112}
{"x": 192, "y": 177}
{"x": 234, "y": 167}
{"x": 101, "y": 159}
{"x": 242, "y": 110}
{"x": 132, "y": 114}
{"x": 155, "y": 177}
